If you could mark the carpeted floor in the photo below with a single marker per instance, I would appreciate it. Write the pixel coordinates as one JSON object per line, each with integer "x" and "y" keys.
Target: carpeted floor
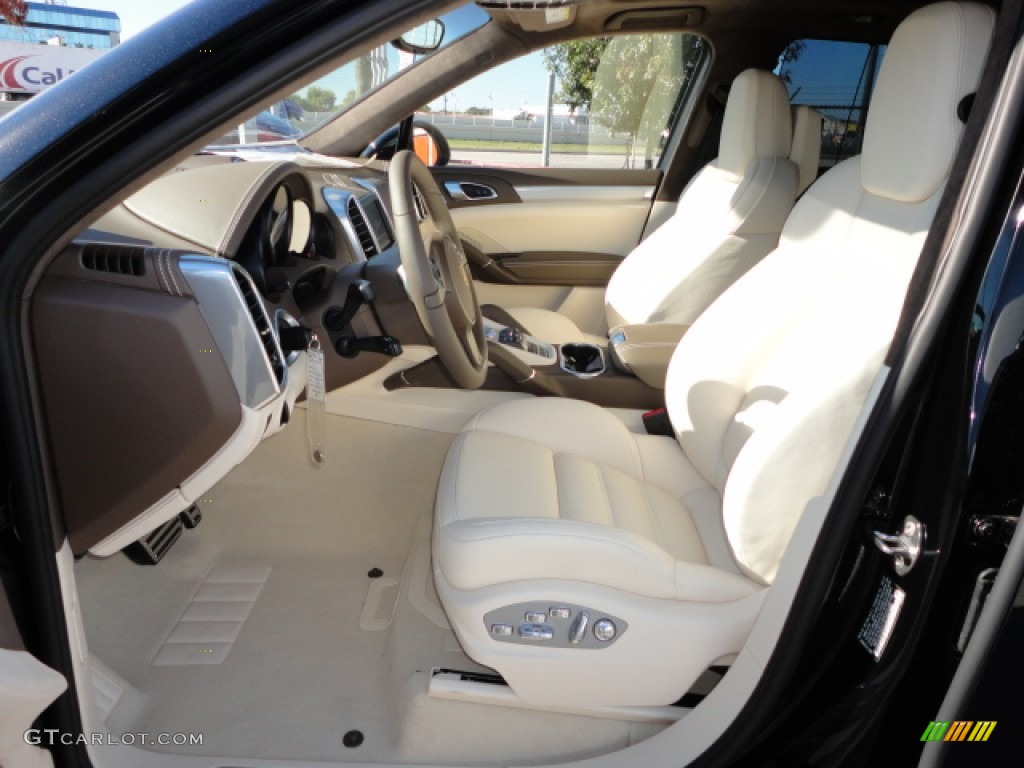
{"x": 262, "y": 630}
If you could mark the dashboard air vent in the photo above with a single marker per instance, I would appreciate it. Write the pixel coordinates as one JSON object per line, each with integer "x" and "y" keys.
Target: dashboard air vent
{"x": 419, "y": 203}
{"x": 362, "y": 229}
{"x": 262, "y": 322}
{"x": 118, "y": 259}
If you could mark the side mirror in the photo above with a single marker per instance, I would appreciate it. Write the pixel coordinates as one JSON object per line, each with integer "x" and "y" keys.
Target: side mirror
{"x": 428, "y": 144}
{"x": 422, "y": 39}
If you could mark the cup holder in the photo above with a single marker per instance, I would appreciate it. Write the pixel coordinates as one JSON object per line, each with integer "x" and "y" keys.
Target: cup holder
{"x": 583, "y": 360}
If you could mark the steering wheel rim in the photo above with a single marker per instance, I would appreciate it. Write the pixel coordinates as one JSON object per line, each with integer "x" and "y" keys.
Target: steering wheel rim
{"x": 437, "y": 274}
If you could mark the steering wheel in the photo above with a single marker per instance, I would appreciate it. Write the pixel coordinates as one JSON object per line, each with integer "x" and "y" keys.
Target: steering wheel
{"x": 436, "y": 271}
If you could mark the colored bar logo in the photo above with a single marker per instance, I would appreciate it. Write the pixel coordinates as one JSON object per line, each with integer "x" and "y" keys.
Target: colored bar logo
{"x": 959, "y": 730}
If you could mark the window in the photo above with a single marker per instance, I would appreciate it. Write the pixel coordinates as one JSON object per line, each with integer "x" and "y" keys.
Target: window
{"x": 837, "y": 79}
{"x": 323, "y": 100}
{"x": 612, "y": 103}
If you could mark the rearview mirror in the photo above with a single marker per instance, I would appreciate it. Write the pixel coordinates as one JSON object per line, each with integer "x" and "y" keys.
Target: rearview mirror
{"x": 422, "y": 39}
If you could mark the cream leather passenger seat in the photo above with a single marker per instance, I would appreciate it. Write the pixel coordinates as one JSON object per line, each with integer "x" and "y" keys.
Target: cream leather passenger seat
{"x": 728, "y": 217}
{"x": 593, "y": 566}
{"x": 806, "y": 151}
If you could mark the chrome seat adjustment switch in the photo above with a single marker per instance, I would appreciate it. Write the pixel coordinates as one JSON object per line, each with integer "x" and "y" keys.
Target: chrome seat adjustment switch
{"x": 539, "y": 632}
{"x": 604, "y": 630}
{"x": 549, "y": 624}
{"x": 579, "y": 628}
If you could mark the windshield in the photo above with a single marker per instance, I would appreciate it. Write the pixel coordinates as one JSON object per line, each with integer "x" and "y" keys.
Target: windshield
{"x": 320, "y": 101}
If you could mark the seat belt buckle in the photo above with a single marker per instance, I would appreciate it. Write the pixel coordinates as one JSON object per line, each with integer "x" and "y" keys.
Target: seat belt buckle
{"x": 656, "y": 422}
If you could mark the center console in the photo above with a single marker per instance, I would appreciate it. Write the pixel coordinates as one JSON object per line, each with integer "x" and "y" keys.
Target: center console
{"x": 524, "y": 363}
{"x": 578, "y": 370}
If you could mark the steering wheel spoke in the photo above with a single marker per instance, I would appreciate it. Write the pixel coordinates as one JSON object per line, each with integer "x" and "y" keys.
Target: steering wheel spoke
{"x": 437, "y": 272}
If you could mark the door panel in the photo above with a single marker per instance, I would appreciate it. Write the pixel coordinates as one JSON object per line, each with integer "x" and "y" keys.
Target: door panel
{"x": 549, "y": 226}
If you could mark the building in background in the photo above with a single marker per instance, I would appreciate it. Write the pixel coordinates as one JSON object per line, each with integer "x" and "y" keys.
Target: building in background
{"x": 56, "y": 41}
{"x": 73, "y": 27}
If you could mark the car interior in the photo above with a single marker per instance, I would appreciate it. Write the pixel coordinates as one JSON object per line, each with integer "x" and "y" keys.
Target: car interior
{"x": 361, "y": 464}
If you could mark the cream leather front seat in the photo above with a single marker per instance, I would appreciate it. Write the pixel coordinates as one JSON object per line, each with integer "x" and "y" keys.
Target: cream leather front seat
{"x": 728, "y": 217}
{"x": 806, "y": 151}
{"x": 590, "y": 565}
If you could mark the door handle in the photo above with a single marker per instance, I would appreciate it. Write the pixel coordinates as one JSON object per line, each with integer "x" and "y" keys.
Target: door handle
{"x": 469, "y": 191}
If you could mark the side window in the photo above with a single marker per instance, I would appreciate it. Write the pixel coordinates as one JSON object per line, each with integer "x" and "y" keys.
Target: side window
{"x": 837, "y": 79}
{"x": 607, "y": 102}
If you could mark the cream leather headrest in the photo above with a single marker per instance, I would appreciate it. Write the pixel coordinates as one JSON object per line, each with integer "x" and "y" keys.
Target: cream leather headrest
{"x": 934, "y": 60}
{"x": 757, "y": 122}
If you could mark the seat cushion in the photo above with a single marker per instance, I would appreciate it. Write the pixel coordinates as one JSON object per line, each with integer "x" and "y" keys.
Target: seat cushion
{"x": 555, "y": 489}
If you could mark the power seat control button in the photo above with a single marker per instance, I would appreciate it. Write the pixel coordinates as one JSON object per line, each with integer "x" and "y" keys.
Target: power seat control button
{"x": 579, "y": 628}
{"x": 535, "y": 617}
{"x": 558, "y": 612}
{"x": 604, "y": 630}
{"x": 537, "y": 632}
{"x": 501, "y": 630}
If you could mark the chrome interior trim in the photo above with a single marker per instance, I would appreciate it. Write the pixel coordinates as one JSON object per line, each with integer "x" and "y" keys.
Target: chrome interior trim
{"x": 222, "y": 305}
{"x": 337, "y": 201}
{"x": 457, "y": 190}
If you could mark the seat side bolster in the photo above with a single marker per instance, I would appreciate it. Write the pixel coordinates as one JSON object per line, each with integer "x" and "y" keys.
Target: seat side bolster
{"x": 765, "y": 196}
{"x": 484, "y": 552}
{"x": 708, "y": 584}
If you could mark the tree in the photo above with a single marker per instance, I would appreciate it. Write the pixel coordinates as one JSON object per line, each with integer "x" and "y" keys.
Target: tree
{"x": 317, "y": 99}
{"x": 484, "y": 111}
{"x": 14, "y": 11}
{"x": 626, "y": 84}
{"x": 574, "y": 64}
{"x": 790, "y": 55}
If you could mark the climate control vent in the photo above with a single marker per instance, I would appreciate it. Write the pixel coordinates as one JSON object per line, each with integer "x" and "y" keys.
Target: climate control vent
{"x": 419, "y": 203}
{"x": 362, "y": 228}
{"x": 117, "y": 259}
{"x": 259, "y": 317}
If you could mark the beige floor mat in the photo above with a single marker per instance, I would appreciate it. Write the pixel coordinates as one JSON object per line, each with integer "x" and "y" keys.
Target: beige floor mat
{"x": 262, "y": 630}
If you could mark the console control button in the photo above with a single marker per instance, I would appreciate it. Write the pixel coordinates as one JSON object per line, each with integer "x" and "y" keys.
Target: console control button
{"x": 512, "y": 336}
{"x": 604, "y": 630}
{"x": 559, "y": 613}
{"x": 535, "y": 617}
{"x": 501, "y": 630}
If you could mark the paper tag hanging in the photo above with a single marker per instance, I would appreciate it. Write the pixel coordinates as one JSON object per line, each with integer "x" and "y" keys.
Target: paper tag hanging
{"x": 316, "y": 395}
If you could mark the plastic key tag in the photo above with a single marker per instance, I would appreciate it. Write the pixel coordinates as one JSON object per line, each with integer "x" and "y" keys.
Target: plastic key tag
{"x": 316, "y": 394}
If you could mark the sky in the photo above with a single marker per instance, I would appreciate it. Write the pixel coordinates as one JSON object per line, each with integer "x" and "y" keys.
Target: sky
{"x": 822, "y": 74}
{"x": 135, "y": 15}
{"x": 521, "y": 82}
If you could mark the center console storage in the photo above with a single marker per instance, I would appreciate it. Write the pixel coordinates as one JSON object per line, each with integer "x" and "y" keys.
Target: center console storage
{"x": 582, "y": 360}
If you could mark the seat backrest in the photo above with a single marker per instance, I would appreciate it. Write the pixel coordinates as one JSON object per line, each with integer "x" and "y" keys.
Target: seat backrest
{"x": 728, "y": 217}
{"x": 764, "y": 390}
{"x": 806, "y": 151}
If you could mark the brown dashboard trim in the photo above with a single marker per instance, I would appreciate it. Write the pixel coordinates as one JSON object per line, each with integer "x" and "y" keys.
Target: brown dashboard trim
{"x": 136, "y": 398}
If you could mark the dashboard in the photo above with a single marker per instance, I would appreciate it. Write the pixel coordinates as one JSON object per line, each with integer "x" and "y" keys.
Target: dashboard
{"x": 171, "y": 334}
